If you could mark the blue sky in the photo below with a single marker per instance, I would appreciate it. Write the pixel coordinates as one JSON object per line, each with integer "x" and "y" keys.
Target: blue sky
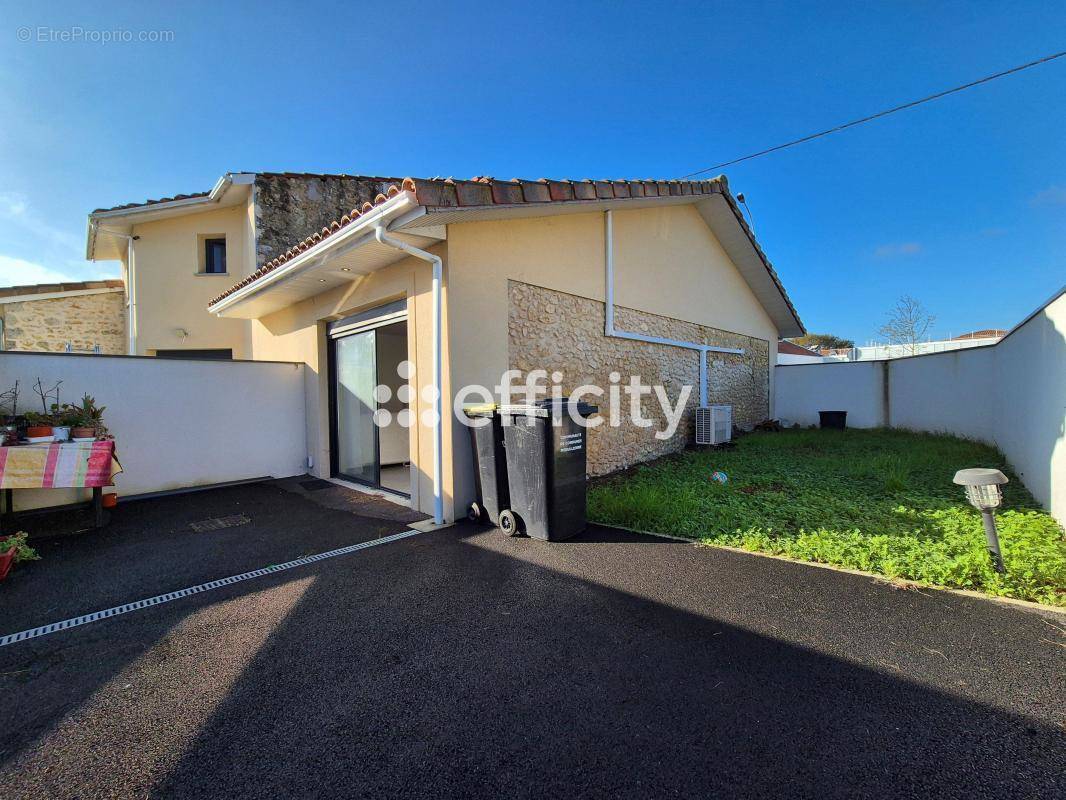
{"x": 961, "y": 203}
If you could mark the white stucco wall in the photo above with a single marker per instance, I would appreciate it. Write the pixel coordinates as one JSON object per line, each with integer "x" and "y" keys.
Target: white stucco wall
{"x": 1031, "y": 418}
{"x": 1012, "y": 394}
{"x": 802, "y": 390}
{"x": 177, "y": 423}
{"x": 955, "y": 392}
{"x": 789, "y": 358}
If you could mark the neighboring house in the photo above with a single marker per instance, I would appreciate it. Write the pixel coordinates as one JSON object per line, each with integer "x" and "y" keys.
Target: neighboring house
{"x": 464, "y": 280}
{"x": 179, "y": 252}
{"x": 792, "y": 353}
{"x": 86, "y": 317}
{"x": 881, "y": 352}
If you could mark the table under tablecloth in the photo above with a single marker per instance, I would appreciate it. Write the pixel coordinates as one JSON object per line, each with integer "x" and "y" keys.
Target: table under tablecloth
{"x": 58, "y": 465}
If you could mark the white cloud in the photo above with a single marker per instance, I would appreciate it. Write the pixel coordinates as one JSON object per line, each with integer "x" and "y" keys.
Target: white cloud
{"x": 15, "y": 208}
{"x": 898, "y": 249}
{"x": 18, "y": 272}
{"x": 1051, "y": 196}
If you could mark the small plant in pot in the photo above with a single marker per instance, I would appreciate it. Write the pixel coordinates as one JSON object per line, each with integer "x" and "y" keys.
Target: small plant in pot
{"x": 38, "y": 426}
{"x": 87, "y": 419}
{"x": 62, "y": 417}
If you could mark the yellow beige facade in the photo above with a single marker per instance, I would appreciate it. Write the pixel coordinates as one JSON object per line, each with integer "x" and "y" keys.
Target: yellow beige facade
{"x": 667, "y": 263}
{"x": 170, "y": 290}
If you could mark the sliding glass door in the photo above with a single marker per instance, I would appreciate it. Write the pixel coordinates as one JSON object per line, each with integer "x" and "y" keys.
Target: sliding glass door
{"x": 355, "y": 376}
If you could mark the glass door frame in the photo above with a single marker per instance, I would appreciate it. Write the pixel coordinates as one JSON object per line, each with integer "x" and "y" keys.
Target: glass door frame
{"x": 378, "y": 317}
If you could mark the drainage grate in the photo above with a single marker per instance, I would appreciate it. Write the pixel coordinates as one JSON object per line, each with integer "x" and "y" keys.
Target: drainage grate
{"x": 315, "y": 484}
{"x": 218, "y": 523}
{"x": 54, "y": 627}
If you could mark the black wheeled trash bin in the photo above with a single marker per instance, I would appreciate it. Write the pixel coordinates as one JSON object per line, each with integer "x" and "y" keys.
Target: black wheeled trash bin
{"x": 545, "y": 470}
{"x": 490, "y": 464}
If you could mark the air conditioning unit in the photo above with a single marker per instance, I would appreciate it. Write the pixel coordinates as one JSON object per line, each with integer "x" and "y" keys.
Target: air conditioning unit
{"x": 714, "y": 424}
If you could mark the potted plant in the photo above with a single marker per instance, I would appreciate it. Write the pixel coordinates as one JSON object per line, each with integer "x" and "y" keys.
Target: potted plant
{"x": 63, "y": 417}
{"x": 38, "y": 426}
{"x": 87, "y": 419}
{"x": 10, "y": 420}
{"x": 14, "y": 549}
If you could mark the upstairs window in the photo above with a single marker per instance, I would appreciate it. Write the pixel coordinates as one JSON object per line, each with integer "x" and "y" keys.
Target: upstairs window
{"x": 214, "y": 256}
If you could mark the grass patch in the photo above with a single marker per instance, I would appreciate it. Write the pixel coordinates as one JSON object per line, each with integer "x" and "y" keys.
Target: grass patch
{"x": 875, "y": 500}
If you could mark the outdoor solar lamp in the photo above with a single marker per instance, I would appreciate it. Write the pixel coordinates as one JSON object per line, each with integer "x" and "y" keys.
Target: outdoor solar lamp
{"x": 984, "y": 494}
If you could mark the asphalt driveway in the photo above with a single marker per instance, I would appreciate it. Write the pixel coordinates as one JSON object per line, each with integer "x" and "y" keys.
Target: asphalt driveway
{"x": 462, "y": 662}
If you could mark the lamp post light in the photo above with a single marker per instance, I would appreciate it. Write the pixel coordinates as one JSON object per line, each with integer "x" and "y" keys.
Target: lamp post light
{"x": 984, "y": 494}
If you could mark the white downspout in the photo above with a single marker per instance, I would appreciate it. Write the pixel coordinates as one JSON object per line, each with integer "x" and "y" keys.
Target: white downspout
{"x": 609, "y": 329}
{"x": 438, "y": 435}
{"x": 131, "y": 287}
{"x": 131, "y": 279}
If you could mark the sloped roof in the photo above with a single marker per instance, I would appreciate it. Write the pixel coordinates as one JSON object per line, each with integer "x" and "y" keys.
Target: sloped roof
{"x": 984, "y": 333}
{"x": 482, "y": 192}
{"x": 144, "y": 203}
{"x": 793, "y": 349}
{"x": 53, "y": 288}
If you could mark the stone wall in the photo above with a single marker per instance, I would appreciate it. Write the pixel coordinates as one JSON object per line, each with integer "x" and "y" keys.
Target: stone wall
{"x": 290, "y": 207}
{"x": 83, "y": 321}
{"x": 557, "y": 331}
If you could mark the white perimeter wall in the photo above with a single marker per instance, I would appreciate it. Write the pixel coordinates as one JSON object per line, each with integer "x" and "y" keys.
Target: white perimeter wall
{"x": 1012, "y": 394}
{"x": 177, "y": 423}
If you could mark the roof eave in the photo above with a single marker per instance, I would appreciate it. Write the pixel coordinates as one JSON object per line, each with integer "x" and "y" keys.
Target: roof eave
{"x": 353, "y": 235}
{"x": 214, "y": 196}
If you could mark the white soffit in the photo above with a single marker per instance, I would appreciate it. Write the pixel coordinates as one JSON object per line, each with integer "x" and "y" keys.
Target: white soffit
{"x": 326, "y": 272}
{"x": 436, "y": 215}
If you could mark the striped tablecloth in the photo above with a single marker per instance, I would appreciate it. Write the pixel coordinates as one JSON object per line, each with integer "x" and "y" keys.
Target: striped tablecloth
{"x": 54, "y": 466}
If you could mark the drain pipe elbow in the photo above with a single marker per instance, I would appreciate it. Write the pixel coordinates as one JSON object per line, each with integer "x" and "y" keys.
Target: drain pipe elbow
{"x": 383, "y": 238}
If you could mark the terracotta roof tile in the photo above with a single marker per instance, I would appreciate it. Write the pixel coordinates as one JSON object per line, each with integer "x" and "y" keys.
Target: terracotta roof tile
{"x": 793, "y": 349}
{"x": 486, "y": 191}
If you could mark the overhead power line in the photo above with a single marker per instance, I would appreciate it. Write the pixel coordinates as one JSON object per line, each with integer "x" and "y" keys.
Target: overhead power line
{"x": 880, "y": 114}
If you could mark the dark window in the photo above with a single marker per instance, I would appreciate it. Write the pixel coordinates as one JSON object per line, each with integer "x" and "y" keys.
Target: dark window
{"x": 215, "y": 255}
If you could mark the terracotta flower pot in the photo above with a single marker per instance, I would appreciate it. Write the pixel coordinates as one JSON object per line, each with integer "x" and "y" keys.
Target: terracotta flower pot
{"x": 82, "y": 432}
{"x": 6, "y": 560}
{"x": 109, "y": 500}
{"x": 35, "y": 431}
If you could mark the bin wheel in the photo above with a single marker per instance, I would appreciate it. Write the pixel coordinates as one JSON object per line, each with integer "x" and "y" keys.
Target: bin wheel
{"x": 474, "y": 513}
{"x": 509, "y": 522}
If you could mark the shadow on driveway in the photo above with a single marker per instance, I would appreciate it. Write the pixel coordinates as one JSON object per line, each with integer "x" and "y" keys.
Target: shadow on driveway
{"x": 465, "y": 663}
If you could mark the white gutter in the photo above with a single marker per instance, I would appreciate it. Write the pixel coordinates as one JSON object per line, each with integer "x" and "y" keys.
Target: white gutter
{"x": 438, "y": 434}
{"x": 354, "y": 235}
{"x": 609, "y": 329}
{"x": 214, "y": 196}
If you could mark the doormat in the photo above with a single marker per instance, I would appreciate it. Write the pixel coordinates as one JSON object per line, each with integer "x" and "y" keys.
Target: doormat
{"x": 218, "y": 523}
{"x": 315, "y": 484}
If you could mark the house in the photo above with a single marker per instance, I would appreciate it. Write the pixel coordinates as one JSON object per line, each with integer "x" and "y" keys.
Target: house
{"x": 435, "y": 286}
{"x": 881, "y": 352}
{"x": 792, "y": 353}
{"x": 178, "y": 252}
{"x": 984, "y": 333}
{"x": 74, "y": 317}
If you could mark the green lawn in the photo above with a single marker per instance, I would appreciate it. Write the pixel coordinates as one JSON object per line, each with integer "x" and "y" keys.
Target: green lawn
{"x": 874, "y": 500}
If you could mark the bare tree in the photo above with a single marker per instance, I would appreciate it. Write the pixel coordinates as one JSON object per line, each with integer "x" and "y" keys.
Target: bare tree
{"x": 908, "y": 324}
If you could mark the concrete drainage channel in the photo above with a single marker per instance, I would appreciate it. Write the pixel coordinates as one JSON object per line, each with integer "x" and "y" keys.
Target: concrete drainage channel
{"x": 137, "y": 605}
